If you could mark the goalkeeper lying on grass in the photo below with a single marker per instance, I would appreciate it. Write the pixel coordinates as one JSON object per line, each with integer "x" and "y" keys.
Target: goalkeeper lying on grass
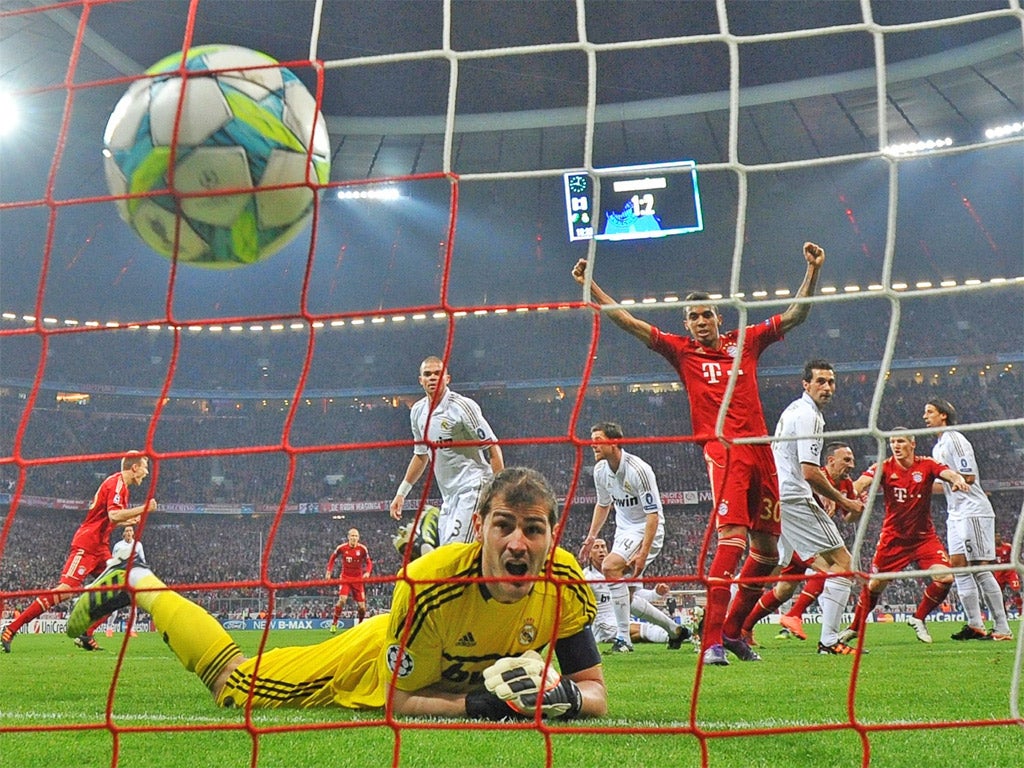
{"x": 447, "y": 648}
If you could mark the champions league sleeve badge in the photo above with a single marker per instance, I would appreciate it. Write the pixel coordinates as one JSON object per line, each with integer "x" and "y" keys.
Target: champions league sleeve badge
{"x": 406, "y": 666}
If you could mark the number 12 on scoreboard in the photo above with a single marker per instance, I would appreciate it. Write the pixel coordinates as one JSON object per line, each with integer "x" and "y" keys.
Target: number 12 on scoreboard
{"x": 637, "y": 202}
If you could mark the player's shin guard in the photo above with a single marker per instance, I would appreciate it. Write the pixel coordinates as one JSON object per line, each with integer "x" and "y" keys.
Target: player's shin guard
{"x": 37, "y": 608}
{"x": 970, "y": 598}
{"x": 994, "y": 599}
{"x": 642, "y": 609}
{"x": 757, "y": 565}
{"x": 866, "y": 602}
{"x": 808, "y": 595}
{"x": 933, "y": 597}
{"x": 723, "y": 567}
{"x": 619, "y": 591}
{"x": 767, "y": 603}
{"x": 833, "y": 602}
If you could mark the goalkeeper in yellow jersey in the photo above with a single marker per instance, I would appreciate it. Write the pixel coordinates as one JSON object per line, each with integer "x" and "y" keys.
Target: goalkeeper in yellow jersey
{"x": 449, "y": 647}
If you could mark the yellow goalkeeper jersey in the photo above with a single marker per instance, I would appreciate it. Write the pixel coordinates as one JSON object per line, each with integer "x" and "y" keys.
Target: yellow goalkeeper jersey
{"x": 448, "y": 633}
{"x": 438, "y": 632}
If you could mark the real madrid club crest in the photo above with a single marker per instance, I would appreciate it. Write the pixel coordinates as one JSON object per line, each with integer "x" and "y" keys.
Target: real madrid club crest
{"x": 527, "y": 634}
{"x": 405, "y": 667}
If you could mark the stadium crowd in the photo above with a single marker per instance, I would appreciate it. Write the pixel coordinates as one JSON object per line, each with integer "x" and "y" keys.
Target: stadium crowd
{"x": 337, "y": 457}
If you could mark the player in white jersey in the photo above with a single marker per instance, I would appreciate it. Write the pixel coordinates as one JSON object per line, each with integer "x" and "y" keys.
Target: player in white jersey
{"x": 123, "y": 549}
{"x": 605, "y": 628}
{"x": 119, "y": 553}
{"x": 807, "y": 530}
{"x": 628, "y": 482}
{"x": 970, "y": 528}
{"x": 443, "y": 417}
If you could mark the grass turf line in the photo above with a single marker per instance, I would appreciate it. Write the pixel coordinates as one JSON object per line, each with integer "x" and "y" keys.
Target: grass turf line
{"x": 48, "y": 683}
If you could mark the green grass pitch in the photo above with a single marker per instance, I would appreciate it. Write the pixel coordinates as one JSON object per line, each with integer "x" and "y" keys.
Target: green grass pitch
{"x": 50, "y": 685}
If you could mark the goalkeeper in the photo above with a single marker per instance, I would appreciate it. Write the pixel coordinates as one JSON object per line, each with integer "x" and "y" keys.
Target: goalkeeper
{"x": 448, "y": 648}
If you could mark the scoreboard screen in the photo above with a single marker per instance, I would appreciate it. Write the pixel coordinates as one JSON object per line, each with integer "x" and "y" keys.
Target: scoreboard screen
{"x": 637, "y": 202}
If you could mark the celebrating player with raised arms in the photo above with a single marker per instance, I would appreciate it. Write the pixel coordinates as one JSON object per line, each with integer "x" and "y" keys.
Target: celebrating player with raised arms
{"x": 743, "y": 479}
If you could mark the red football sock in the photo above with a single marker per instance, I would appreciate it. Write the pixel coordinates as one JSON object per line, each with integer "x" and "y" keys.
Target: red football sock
{"x": 720, "y": 573}
{"x": 865, "y": 604}
{"x": 814, "y": 587}
{"x": 768, "y": 603}
{"x": 39, "y": 606}
{"x": 758, "y": 564}
{"x": 933, "y": 597}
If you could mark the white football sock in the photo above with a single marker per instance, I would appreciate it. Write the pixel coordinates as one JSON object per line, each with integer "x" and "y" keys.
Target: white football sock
{"x": 833, "y": 600}
{"x": 967, "y": 589}
{"x": 994, "y": 599}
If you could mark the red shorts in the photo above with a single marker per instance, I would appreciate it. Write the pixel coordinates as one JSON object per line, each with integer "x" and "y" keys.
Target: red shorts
{"x": 744, "y": 486}
{"x": 354, "y": 588}
{"x": 796, "y": 566}
{"x": 81, "y": 565}
{"x": 896, "y": 557}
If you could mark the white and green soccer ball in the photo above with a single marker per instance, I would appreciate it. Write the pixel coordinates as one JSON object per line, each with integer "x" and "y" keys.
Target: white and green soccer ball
{"x": 241, "y": 130}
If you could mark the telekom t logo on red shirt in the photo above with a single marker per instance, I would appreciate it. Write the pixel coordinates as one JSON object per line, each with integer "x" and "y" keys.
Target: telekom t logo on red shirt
{"x": 900, "y": 494}
{"x": 713, "y": 372}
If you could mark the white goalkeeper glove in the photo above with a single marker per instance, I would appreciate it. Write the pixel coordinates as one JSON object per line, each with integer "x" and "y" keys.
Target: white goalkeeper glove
{"x": 519, "y": 680}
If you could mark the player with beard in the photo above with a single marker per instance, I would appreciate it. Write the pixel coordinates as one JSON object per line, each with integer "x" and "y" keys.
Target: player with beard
{"x": 462, "y": 639}
{"x": 744, "y": 484}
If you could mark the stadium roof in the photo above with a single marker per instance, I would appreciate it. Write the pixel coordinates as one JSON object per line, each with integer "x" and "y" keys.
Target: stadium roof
{"x": 951, "y": 69}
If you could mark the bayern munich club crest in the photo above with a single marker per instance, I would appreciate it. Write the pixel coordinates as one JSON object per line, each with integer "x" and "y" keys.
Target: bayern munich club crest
{"x": 918, "y": 477}
{"x": 405, "y": 668}
{"x": 730, "y": 350}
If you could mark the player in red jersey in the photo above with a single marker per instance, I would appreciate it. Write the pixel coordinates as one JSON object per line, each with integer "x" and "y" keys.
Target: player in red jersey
{"x": 355, "y": 566}
{"x": 838, "y": 463}
{"x": 90, "y": 547}
{"x": 743, "y": 478}
{"x": 908, "y": 535}
{"x": 1008, "y": 580}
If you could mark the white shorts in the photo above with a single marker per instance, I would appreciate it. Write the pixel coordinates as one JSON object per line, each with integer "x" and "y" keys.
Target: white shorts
{"x": 604, "y": 631}
{"x": 973, "y": 537}
{"x": 807, "y": 530}
{"x": 628, "y": 541}
{"x": 455, "y": 522}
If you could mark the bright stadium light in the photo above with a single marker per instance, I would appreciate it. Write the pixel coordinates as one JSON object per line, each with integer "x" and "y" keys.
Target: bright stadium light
{"x": 385, "y": 193}
{"x": 915, "y": 147}
{"x": 1002, "y": 131}
{"x": 10, "y": 115}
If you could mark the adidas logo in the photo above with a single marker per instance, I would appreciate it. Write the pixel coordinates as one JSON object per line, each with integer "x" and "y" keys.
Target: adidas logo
{"x": 466, "y": 640}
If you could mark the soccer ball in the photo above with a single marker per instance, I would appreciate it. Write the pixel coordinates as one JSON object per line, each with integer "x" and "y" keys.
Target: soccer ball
{"x": 239, "y": 130}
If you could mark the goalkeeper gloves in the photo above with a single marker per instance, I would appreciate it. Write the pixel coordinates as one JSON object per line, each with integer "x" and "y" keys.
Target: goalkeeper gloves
{"x": 521, "y": 680}
{"x": 484, "y": 705}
